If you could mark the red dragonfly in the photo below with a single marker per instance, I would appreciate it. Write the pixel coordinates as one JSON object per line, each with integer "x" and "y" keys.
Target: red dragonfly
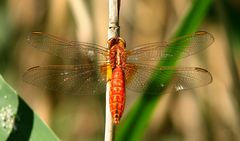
{"x": 93, "y": 66}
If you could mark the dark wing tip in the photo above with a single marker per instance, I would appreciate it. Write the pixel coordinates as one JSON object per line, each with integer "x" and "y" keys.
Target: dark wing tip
{"x": 29, "y": 36}
{"x": 205, "y": 72}
{"x": 28, "y": 71}
{"x": 201, "y": 32}
{"x": 36, "y": 32}
{"x": 33, "y": 68}
{"x": 205, "y": 33}
{"x": 29, "y": 39}
{"x": 201, "y": 69}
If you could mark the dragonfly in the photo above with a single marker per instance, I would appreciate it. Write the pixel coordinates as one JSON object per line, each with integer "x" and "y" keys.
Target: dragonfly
{"x": 93, "y": 66}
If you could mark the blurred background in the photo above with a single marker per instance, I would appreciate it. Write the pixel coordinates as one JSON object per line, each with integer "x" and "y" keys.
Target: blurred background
{"x": 209, "y": 113}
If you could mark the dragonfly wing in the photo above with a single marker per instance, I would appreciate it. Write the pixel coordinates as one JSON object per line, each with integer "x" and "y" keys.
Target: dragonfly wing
{"x": 158, "y": 51}
{"x": 73, "y": 50}
{"x": 138, "y": 75}
{"x": 191, "y": 77}
{"x": 73, "y": 79}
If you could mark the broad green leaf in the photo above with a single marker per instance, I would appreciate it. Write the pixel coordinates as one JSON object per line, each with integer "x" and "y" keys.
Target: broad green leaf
{"x": 17, "y": 120}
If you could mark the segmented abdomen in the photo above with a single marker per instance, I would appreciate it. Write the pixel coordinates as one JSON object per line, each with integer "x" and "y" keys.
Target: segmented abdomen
{"x": 117, "y": 94}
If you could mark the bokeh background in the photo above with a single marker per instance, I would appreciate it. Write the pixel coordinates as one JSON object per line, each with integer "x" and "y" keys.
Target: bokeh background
{"x": 209, "y": 113}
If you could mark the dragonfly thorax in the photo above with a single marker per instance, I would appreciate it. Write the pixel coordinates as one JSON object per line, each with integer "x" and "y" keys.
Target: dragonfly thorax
{"x": 117, "y": 55}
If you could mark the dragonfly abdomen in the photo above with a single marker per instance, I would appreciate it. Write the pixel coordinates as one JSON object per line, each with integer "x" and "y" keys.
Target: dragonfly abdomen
{"x": 117, "y": 94}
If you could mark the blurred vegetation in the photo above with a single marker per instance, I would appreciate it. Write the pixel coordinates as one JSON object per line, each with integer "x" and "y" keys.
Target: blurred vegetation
{"x": 209, "y": 113}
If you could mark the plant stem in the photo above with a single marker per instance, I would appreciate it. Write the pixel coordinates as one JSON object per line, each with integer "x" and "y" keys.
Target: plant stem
{"x": 113, "y": 31}
{"x": 108, "y": 117}
{"x": 114, "y": 28}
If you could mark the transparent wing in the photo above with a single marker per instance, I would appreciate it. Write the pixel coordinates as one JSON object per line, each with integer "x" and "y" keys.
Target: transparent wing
{"x": 157, "y": 51}
{"x": 138, "y": 75}
{"x": 75, "y": 51}
{"x": 73, "y": 79}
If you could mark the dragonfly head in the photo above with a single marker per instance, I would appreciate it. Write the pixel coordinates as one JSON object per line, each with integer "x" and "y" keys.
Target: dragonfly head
{"x": 116, "y": 41}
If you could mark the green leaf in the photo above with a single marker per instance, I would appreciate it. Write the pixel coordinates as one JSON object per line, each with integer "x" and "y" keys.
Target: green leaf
{"x": 17, "y": 121}
{"x": 132, "y": 128}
